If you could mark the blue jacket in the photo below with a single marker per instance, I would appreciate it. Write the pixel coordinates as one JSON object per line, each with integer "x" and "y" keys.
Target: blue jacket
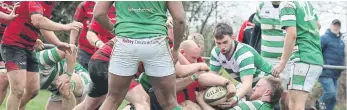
{"x": 333, "y": 53}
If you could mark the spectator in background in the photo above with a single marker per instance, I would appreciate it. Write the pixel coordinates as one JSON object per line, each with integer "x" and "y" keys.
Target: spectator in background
{"x": 245, "y": 32}
{"x": 332, "y": 44}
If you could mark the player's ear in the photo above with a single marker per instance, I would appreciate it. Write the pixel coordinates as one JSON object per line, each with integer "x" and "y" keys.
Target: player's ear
{"x": 233, "y": 37}
{"x": 267, "y": 92}
{"x": 182, "y": 51}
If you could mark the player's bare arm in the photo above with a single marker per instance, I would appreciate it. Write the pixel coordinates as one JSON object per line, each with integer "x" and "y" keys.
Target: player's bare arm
{"x": 94, "y": 40}
{"x": 74, "y": 35}
{"x": 100, "y": 14}
{"x": 210, "y": 79}
{"x": 39, "y": 21}
{"x": 289, "y": 42}
{"x": 246, "y": 87}
{"x": 201, "y": 102}
{"x": 186, "y": 70}
{"x": 179, "y": 19}
{"x": 52, "y": 38}
{"x": 69, "y": 101}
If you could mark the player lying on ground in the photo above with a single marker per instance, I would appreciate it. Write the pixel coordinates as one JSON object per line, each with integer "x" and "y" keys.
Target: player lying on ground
{"x": 17, "y": 49}
{"x": 63, "y": 77}
{"x": 99, "y": 74}
{"x": 240, "y": 60}
{"x": 187, "y": 86}
{"x": 7, "y": 13}
{"x": 266, "y": 93}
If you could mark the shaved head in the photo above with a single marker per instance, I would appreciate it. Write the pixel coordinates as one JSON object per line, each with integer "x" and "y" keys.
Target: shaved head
{"x": 187, "y": 44}
{"x": 190, "y": 50}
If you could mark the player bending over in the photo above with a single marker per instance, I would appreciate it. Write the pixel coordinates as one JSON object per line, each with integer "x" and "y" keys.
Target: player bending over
{"x": 240, "y": 60}
{"x": 63, "y": 77}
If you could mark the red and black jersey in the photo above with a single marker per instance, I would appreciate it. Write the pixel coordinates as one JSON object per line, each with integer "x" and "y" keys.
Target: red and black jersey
{"x": 103, "y": 34}
{"x": 20, "y": 31}
{"x": 104, "y": 52}
{"x": 84, "y": 14}
{"x": 5, "y": 7}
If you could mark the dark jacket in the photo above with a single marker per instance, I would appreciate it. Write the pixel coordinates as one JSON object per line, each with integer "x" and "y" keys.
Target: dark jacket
{"x": 333, "y": 53}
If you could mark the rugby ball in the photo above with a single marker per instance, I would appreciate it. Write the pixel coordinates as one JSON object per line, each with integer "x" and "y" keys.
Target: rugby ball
{"x": 215, "y": 95}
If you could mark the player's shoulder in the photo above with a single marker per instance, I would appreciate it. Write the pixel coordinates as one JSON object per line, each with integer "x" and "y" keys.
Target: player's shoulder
{"x": 215, "y": 50}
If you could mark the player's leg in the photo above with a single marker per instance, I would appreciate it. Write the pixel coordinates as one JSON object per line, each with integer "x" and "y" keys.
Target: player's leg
{"x": 138, "y": 96}
{"x": 15, "y": 59}
{"x": 117, "y": 90}
{"x": 3, "y": 84}
{"x": 83, "y": 58}
{"x": 189, "y": 105}
{"x": 98, "y": 71}
{"x": 303, "y": 79}
{"x": 33, "y": 80}
{"x": 123, "y": 65}
{"x": 160, "y": 69}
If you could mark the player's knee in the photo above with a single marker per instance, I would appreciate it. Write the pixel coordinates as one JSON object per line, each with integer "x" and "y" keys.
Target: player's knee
{"x": 117, "y": 92}
{"x": 17, "y": 91}
{"x": 34, "y": 93}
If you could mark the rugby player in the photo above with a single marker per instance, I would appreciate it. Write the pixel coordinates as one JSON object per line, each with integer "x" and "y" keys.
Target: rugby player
{"x": 268, "y": 23}
{"x": 141, "y": 36}
{"x": 63, "y": 77}
{"x": 197, "y": 80}
{"x": 83, "y": 14}
{"x": 98, "y": 70}
{"x": 17, "y": 49}
{"x": 240, "y": 60}
{"x": 7, "y": 13}
{"x": 265, "y": 94}
{"x": 300, "y": 22}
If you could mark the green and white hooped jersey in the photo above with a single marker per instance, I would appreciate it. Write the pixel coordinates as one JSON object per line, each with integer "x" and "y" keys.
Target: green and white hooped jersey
{"x": 244, "y": 61}
{"x": 253, "y": 105}
{"x": 268, "y": 18}
{"x": 301, "y": 14}
{"x": 51, "y": 66}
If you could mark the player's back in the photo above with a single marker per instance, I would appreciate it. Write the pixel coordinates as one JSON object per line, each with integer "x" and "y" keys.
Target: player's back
{"x": 141, "y": 19}
{"x": 302, "y": 15}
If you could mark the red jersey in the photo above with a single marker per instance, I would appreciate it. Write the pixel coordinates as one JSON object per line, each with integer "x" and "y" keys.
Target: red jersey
{"x": 104, "y": 52}
{"x": 20, "y": 31}
{"x": 84, "y": 14}
{"x": 103, "y": 34}
{"x": 5, "y": 7}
